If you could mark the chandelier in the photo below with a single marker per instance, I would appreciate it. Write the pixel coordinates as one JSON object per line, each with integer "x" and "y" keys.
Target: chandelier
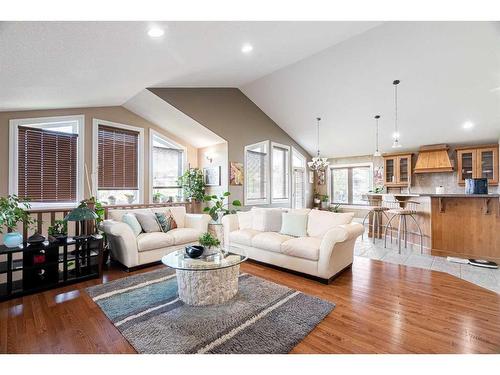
{"x": 395, "y": 135}
{"x": 318, "y": 163}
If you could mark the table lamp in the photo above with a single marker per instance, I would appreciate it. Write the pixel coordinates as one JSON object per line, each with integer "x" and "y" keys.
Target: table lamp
{"x": 82, "y": 214}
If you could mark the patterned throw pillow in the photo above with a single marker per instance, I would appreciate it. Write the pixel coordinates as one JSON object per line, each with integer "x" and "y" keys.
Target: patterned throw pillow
{"x": 166, "y": 222}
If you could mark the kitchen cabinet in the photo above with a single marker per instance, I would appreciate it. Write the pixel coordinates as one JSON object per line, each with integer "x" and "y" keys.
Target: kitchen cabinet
{"x": 397, "y": 170}
{"x": 478, "y": 162}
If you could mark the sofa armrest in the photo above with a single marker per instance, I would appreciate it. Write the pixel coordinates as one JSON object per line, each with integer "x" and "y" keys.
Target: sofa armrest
{"x": 337, "y": 248}
{"x": 230, "y": 223}
{"x": 122, "y": 241}
{"x": 198, "y": 222}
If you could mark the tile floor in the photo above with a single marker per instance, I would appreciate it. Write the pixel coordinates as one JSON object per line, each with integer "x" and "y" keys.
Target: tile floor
{"x": 486, "y": 278}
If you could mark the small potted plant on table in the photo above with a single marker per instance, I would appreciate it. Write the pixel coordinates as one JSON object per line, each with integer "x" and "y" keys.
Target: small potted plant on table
{"x": 12, "y": 212}
{"x": 58, "y": 231}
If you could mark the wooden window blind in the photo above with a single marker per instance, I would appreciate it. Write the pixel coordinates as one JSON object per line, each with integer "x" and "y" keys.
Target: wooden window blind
{"x": 47, "y": 165}
{"x": 117, "y": 158}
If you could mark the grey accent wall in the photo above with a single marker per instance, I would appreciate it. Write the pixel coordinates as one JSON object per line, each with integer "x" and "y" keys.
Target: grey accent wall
{"x": 232, "y": 116}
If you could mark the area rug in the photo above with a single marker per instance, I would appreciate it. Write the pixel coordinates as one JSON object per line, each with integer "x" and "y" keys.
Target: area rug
{"x": 263, "y": 317}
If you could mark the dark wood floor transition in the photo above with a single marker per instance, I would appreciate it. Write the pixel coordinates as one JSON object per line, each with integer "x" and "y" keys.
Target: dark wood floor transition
{"x": 381, "y": 308}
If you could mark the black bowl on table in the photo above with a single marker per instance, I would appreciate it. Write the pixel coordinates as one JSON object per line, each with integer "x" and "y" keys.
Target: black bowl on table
{"x": 194, "y": 251}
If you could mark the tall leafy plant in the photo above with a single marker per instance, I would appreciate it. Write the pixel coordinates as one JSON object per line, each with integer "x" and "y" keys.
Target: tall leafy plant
{"x": 219, "y": 207}
{"x": 193, "y": 184}
{"x": 13, "y": 211}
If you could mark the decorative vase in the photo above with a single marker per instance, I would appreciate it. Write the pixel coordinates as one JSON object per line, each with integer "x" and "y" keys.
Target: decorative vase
{"x": 112, "y": 200}
{"x": 194, "y": 251}
{"x": 130, "y": 199}
{"x": 324, "y": 204}
{"x": 12, "y": 239}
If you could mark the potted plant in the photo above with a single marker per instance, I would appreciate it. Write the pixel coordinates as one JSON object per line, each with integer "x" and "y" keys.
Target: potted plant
{"x": 157, "y": 197}
{"x": 59, "y": 230}
{"x": 112, "y": 200}
{"x": 219, "y": 208}
{"x": 193, "y": 184}
{"x": 208, "y": 241}
{"x": 324, "y": 201}
{"x": 12, "y": 212}
{"x": 335, "y": 208}
{"x": 130, "y": 197}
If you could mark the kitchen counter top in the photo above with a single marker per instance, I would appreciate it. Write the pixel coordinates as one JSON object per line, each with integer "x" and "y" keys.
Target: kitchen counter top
{"x": 460, "y": 195}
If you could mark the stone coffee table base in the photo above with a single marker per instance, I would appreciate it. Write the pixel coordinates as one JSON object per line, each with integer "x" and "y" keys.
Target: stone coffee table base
{"x": 208, "y": 287}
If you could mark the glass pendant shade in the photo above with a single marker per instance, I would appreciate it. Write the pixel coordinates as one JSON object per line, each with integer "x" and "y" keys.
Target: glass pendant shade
{"x": 396, "y": 143}
{"x": 377, "y": 152}
{"x": 318, "y": 163}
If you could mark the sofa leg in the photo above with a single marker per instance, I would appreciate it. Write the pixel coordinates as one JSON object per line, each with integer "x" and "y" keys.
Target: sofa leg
{"x": 328, "y": 281}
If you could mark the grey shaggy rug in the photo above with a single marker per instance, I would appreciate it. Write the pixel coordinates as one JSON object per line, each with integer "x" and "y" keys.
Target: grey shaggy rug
{"x": 263, "y": 317}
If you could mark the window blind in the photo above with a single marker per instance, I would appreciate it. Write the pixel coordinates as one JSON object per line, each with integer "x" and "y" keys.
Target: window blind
{"x": 47, "y": 165}
{"x": 256, "y": 170}
{"x": 299, "y": 183}
{"x": 117, "y": 158}
{"x": 167, "y": 167}
{"x": 280, "y": 173}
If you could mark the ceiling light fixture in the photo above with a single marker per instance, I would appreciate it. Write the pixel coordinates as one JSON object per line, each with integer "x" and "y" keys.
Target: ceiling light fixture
{"x": 396, "y": 135}
{"x": 155, "y": 32}
{"x": 318, "y": 163}
{"x": 468, "y": 125}
{"x": 377, "y": 152}
{"x": 247, "y": 48}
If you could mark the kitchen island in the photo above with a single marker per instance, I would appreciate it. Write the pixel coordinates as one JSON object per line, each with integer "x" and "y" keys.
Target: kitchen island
{"x": 461, "y": 225}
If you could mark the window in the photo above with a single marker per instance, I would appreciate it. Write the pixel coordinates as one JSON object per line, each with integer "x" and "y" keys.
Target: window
{"x": 348, "y": 184}
{"x": 46, "y": 160}
{"x": 257, "y": 173}
{"x": 280, "y": 173}
{"x": 298, "y": 179}
{"x": 167, "y": 165}
{"x": 118, "y": 162}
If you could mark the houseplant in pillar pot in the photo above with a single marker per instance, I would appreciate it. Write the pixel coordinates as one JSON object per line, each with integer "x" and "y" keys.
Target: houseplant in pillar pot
{"x": 193, "y": 184}
{"x": 12, "y": 212}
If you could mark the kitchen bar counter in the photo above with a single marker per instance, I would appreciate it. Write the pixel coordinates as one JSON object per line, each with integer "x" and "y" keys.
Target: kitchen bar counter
{"x": 460, "y": 195}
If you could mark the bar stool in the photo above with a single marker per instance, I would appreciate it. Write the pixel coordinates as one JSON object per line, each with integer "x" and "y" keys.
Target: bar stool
{"x": 402, "y": 213}
{"x": 377, "y": 211}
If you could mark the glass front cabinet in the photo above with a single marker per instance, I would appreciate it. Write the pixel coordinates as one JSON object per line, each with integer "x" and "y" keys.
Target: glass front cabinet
{"x": 478, "y": 162}
{"x": 397, "y": 170}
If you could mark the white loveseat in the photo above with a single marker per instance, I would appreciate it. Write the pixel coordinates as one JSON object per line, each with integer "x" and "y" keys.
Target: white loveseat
{"x": 132, "y": 251}
{"x": 323, "y": 253}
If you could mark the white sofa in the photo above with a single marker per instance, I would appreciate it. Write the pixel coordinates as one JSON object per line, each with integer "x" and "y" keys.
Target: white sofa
{"x": 132, "y": 251}
{"x": 323, "y": 253}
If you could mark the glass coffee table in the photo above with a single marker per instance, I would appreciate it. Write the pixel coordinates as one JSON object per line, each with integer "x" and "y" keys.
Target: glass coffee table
{"x": 208, "y": 280}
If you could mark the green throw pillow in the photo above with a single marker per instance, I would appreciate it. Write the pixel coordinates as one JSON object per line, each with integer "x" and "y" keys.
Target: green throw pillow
{"x": 165, "y": 222}
{"x": 133, "y": 223}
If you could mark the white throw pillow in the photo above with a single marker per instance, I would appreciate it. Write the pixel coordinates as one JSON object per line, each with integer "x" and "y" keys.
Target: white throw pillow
{"x": 245, "y": 219}
{"x": 294, "y": 224}
{"x": 266, "y": 219}
{"x": 320, "y": 222}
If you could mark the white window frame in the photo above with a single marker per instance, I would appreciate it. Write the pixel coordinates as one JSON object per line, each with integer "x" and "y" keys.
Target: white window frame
{"x": 41, "y": 122}
{"x": 304, "y": 169}
{"x": 287, "y": 200}
{"x": 153, "y": 133}
{"x": 267, "y": 199}
{"x": 140, "y": 154}
{"x": 343, "y": 166}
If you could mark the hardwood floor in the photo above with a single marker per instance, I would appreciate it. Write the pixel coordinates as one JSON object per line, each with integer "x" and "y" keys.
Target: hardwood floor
{"x": 381, "y": 308}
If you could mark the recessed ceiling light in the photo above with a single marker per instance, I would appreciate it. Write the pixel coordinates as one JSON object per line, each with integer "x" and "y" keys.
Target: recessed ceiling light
{"x": 155, "y": 32}
{"x": 468, "y": 125}
{"x": 246, "y": 48}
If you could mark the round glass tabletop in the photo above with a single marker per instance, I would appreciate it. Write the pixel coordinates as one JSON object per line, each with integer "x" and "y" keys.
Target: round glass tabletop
{"x": 180, "y": 261}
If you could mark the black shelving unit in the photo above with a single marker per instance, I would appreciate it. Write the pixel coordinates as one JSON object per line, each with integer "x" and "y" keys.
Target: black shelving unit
{"x": 32, "y": 268}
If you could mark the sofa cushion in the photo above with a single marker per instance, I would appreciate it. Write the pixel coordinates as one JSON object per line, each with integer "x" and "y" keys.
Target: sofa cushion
{"x": 302, "y": 247}
{"x": 266, "y": 219}
{"x": 133, "y": 223}
{"x": 243, "y": 236}
{"x": 185, "y": 235}
{"x": 269, "y": 241}
{"x": 245, "y": 219}
{"x": 117, "y": 215}
{"x": 166, "y": 221}
{"x": 153, "y": 241}
{"x": 178, "y": 212}
{"x": 320, "y": 222}
{"x": 294, "y": 224}
{"x": 148, "y": 221}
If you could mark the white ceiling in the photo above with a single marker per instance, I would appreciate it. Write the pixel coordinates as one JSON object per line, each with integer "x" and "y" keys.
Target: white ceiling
{"x": 449, "y": 72}
{"x": 156, "y": 110}
{"x": 80, "y": 64}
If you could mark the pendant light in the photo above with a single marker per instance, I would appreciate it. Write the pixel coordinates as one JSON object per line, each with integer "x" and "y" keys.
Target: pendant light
{"x": 318, "y": 163}
{"x": 396, "y": 143}
{"x": 377, "y": 152}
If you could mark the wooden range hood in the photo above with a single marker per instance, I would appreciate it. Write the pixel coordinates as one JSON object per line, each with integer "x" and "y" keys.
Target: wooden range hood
{"x": 433, "y": 159}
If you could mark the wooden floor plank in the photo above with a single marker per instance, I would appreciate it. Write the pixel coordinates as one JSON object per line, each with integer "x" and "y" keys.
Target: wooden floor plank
{"x": 380, "y": 308}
